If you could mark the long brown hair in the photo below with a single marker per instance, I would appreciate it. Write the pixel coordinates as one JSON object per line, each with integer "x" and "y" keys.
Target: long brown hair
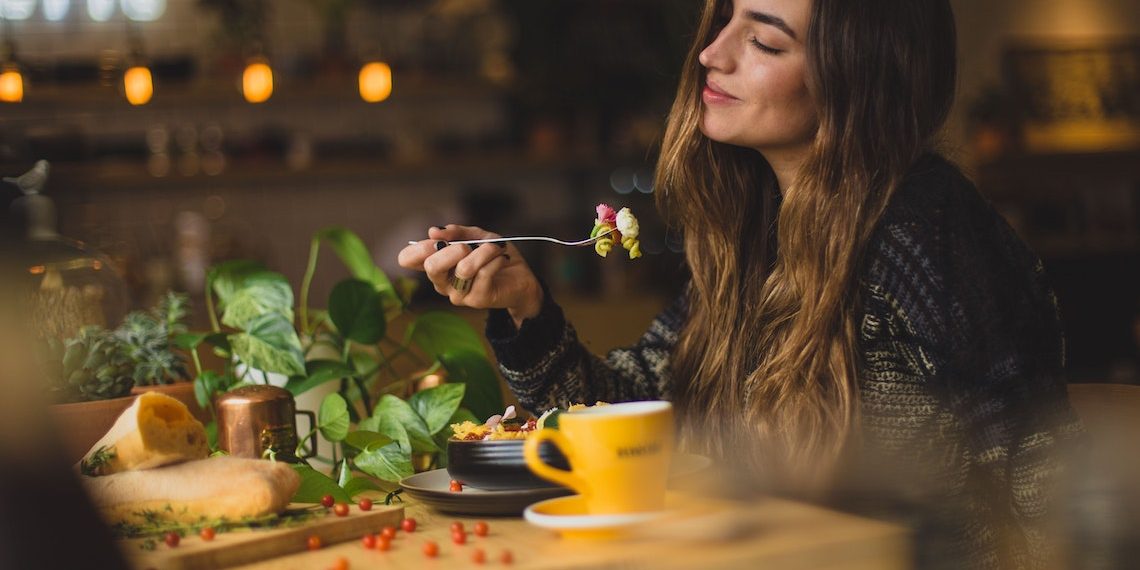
{"x": 768, "y": 359}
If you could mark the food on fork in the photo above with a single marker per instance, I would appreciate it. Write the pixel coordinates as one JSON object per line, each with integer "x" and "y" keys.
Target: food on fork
{"x": 623, "y": 227}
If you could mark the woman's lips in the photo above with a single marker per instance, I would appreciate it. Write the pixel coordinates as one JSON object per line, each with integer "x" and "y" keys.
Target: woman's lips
{"x": 712, "y": 94}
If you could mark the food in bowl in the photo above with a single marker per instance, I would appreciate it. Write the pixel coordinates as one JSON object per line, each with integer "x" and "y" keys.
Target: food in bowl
{"x": 489, "y": 456}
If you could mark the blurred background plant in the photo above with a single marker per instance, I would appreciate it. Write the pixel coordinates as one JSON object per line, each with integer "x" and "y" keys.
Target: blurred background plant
{"x": 99, "y": 364}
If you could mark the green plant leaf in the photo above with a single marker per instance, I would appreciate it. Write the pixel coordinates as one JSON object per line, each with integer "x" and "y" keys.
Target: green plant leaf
{"x": 212, "y": 434}
{"x": 355, "y": 256}
{"x": 389, "y": 427}
{"x": 270, "y": 344}
{"x": 345, "y": 474}
{"x": 318, "y": 372}
{"x": 364, "y": 440}
{"x": 227, "y": 277}
{"x": 265, "y": 292}
{"x": 358, "y": 485}
{"x": 364, "y": 364}
{"x": 315, "y": 485}
{"x": 206, "y": 386}
{"x": 355, "y": 309}
{"x": 437, "y": 332}
{"x": 483, "y": 396}
{"x": 392, "y": 410}
{"x": 189, "y": 341}
{"x": 332, "y": 419}
{"x": 389, "y": 463}
{"x": 436, "y": 405}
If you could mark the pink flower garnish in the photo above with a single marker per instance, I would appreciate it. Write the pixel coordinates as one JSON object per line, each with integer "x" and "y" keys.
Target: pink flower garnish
{"x": 606, "y": 214}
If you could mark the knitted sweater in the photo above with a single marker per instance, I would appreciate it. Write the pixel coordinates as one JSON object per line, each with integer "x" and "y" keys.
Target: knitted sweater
{"x": 963, "y": 399}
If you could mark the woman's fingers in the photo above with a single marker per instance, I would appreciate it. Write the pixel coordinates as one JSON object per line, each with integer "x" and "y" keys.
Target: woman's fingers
{"x": 439, "y": 265}
{"x": 483, "y": 292}
{"x": 413, "y": 256}
{"x": 464, "y": 273}
{"x": 482, "y": 254}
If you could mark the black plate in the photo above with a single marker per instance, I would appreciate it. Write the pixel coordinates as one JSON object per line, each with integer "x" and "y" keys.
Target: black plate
{"x": 433, "y": 489}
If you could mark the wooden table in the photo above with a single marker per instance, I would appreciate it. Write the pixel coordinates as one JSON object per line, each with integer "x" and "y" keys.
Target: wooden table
{"x": 770, "y": 533}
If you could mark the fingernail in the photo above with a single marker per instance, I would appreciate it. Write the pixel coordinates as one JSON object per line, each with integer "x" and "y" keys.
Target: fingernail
{"x": 441, "y": 227}
{"x": 440, "y": 245}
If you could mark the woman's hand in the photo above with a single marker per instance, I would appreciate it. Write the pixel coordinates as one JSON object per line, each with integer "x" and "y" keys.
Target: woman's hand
{"x": 482, "y": 276}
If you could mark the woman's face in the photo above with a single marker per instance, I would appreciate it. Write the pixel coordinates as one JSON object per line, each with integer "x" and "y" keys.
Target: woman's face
{"x": 755, "y": 94}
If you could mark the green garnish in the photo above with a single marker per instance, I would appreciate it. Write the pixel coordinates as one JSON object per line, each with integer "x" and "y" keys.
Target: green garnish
{"x": 93, "y": 466}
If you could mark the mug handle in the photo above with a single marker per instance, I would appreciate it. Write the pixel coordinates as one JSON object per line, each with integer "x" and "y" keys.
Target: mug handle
{"x": 542, "y": 469}
{"x": 312, "y": 438}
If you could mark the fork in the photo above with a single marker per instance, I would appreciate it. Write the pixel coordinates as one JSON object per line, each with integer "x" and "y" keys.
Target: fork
{"x": 586, "y": 241}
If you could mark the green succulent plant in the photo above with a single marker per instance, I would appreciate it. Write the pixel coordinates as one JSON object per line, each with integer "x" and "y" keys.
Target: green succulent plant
{"x": 146, "y": 340}
{"x": 94, "y": 367}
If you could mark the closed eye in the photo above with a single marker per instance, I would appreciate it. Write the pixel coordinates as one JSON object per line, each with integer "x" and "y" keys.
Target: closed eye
{"x": 765, "y": 48}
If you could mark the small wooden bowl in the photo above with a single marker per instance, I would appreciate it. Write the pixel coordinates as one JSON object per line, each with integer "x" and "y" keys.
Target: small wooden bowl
{"x": 498, "y": 465}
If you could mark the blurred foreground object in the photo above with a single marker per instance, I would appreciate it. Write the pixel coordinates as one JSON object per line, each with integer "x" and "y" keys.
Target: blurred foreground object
{"x": 1104, "y": 512}
{"x": 40, "y": 493}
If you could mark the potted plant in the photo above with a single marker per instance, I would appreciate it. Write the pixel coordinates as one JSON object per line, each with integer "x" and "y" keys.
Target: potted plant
{"x": 367, "y": 343}
{"x": 95, "y": 375}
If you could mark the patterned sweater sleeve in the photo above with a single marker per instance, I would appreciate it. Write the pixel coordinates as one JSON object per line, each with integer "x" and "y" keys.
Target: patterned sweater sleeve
{"x": 545, "y": 365}
{"x": 978, "y": 324}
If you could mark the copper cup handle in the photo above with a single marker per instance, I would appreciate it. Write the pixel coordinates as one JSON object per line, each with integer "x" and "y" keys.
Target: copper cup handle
{"x": 312, "y": 428}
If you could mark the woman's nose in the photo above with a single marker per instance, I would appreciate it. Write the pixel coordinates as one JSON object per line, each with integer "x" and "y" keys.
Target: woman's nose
{"x": 713, "y": 56}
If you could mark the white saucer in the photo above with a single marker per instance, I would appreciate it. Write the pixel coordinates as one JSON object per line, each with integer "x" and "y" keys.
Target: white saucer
{"x": 567, "y": 516}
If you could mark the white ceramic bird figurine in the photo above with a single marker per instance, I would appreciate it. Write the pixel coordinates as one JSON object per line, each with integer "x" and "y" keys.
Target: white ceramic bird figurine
{"x": 32, "y": 181}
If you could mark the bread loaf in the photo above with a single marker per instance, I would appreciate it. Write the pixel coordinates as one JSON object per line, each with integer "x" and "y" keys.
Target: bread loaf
{"x": 155, "y": 430}
{"x": 226, "y": 487}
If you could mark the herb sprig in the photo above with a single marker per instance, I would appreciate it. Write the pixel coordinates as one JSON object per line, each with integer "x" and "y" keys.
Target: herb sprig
{"x": 156, "y": 524}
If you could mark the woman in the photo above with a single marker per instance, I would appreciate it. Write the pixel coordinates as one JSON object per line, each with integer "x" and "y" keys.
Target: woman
{"x": 857, "y": 315}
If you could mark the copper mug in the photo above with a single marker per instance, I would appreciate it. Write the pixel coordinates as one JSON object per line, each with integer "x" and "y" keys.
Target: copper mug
{"x": 260, "y": 420}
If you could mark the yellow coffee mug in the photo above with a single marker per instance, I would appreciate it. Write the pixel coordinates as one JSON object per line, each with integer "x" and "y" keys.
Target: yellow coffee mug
{"x": 619, "y": 455}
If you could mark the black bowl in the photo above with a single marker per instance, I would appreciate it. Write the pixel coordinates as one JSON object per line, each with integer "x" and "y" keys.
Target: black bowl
{"x": 498, "y": 464}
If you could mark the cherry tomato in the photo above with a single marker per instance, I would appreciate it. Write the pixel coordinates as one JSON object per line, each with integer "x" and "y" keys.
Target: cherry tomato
{"x": 409, "y": 525}
{"x": 207, "y": 533}
{"x": 340, "y": 564}
{"x": 459, "y": 537}
{"x": 313, "y": 542}
{"x": 456, "y": 486}
{"x": 327, "y": 501}
{"x": 388, "y": 532}
{"x": 506, "y": 557}
{"x": 457, "y": 527}
{"x": 431, "y": 549}
{"x": 341, "y": 509}
{"x": 478, "y": 556}
{"x": 383, "y": 543}
{"x": 369, "y": 541}
{"x": 172, "y": 539}
{"x": 365, "y": 504}
{"x": 481, "y": 528}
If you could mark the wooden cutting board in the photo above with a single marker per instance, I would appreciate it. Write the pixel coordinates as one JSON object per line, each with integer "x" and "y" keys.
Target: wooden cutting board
{"x": 245, "y": 546}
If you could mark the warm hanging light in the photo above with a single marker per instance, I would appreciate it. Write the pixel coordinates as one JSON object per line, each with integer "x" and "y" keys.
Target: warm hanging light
{"x": 11, "y": 84}
{"x": 137, "y": 85}
{"x": 257, "y": 81}
{"x": 375, "y": 81}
